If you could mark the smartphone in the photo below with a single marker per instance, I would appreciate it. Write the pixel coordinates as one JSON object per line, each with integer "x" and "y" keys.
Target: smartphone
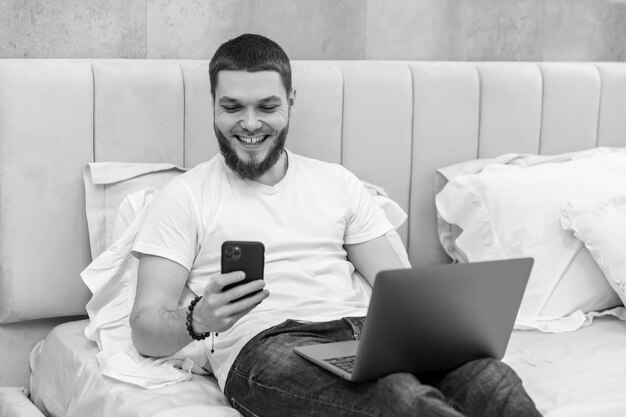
{"x": 248, "y": 257}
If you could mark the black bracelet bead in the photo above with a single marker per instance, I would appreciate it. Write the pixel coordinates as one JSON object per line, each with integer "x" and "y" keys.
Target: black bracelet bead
{"x": 194, "y": 335}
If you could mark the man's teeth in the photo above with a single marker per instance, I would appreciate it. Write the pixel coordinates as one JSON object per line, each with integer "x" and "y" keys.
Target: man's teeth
{"x": 251, "y": 140}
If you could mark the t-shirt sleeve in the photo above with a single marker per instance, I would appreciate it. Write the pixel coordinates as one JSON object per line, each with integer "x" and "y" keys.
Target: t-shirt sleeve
{"x": 366, "y": 220}
{"x": 171, "y": 226}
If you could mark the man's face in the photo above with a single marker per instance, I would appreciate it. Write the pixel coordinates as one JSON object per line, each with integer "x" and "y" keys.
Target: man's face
{"x": 251, "y": 120}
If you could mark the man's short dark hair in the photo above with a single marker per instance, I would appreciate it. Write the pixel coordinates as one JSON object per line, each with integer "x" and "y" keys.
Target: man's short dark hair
{"x": 252, "y": 53}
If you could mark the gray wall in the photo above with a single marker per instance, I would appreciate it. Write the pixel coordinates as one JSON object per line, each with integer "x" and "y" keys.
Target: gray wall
{"x": 538, "y": 30}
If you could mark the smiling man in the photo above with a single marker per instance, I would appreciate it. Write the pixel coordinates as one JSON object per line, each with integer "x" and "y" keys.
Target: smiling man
{"x": 319, "y": 227}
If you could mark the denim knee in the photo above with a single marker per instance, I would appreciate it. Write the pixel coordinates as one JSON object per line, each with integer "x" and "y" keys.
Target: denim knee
{"x": 494, "y": 371}
{"x": 487, "y": 387}
{"x": 405, "y": 394}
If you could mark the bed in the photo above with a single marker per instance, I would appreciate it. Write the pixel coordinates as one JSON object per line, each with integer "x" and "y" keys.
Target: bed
{"x": 82, "y": 139}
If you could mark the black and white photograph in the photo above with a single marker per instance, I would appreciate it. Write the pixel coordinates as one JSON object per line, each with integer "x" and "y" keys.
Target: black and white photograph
{"x": 312, "y": 208}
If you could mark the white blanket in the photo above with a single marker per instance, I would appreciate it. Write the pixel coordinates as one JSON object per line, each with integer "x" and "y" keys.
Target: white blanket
{"x": 66, "y": 381}
{"x": 574, "y": 374}
{"x": 111, "y": 277}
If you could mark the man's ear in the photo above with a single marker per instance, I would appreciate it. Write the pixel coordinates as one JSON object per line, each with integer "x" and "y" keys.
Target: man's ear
{"x": 292, "y": 99}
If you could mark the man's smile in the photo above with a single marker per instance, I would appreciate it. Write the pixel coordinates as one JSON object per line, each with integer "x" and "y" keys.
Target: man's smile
{"x": 251, "y": 140}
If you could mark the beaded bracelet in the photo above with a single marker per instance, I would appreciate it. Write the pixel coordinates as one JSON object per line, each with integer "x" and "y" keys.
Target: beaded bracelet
{"x": 192, "y": 333}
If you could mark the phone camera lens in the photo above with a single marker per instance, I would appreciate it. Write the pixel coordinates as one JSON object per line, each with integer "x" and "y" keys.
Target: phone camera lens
{"x": 237, "y": 250}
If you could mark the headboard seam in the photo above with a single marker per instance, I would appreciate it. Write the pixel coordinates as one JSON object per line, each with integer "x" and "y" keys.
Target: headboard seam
{"x": 93, "y": 113}
{"x": 343, "y": 106}
{"x": 412, "y": 159}
{"x": 541, "y": 113}
{"x": 480, "y": 112}
{"x": 184, "y": 136}
{"x": 599, "y": 104}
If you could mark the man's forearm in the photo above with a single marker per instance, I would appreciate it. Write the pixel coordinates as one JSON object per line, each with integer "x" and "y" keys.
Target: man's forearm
{"x": 159, "y": 327}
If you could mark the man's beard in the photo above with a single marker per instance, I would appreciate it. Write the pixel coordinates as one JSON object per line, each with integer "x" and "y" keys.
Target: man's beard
{"x": 251, "y": 170}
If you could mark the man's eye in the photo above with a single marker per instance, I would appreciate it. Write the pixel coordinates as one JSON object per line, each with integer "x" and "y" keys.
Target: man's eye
{"x": 230, "y": 109}
{"x": 268, "y": 109}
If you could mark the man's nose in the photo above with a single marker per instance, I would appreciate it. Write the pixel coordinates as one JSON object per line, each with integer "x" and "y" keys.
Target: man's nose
{"x": 250, "y": 121}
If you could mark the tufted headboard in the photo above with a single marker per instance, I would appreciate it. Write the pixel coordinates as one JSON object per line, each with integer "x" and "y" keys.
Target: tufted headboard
{"x": 391, "y": 123}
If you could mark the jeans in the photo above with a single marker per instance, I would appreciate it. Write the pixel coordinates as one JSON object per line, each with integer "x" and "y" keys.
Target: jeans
{"x": 269, "y": 379}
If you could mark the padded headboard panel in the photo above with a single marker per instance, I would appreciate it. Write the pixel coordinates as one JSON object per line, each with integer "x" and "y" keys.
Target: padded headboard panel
{"x": 392, "y": 123}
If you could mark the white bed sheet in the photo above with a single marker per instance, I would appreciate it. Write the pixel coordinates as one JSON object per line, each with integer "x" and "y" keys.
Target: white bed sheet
{"x": 580, "y": 373}
{"x": 567, "y": 374}
{"x": 66, "y": 382}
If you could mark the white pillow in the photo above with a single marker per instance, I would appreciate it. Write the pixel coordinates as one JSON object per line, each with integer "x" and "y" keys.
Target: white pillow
{"x": 602, "y": 229}
{"x": 449, "y": 232}
{"x": 107, "y": 184}
{"x": 510, "y": 211}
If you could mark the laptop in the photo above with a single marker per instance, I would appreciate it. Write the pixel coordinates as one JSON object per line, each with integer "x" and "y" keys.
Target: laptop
{"x": 430, "y": 318}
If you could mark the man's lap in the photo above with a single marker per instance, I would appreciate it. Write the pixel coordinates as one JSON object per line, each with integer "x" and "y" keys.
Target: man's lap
{"x": 268, "y": 378}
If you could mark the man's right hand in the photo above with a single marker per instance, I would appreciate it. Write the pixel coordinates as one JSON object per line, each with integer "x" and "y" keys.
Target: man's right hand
{"x": 218, "y": 311}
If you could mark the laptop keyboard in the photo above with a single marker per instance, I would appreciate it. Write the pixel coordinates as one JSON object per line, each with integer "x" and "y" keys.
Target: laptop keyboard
{"x": 344, "y": 362}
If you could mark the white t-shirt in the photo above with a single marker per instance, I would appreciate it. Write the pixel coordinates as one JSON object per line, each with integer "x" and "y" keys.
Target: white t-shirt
{"x": 303, "y": 221}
